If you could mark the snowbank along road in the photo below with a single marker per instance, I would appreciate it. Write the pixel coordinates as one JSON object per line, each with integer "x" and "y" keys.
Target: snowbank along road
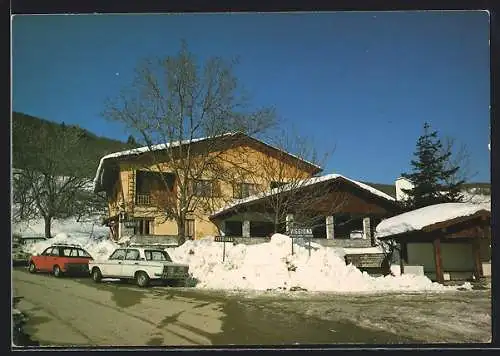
{"x": 75, "y": 311}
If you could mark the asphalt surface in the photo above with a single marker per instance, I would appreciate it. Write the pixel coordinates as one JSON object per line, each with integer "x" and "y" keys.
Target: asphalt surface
{"x": 76, "y": 311}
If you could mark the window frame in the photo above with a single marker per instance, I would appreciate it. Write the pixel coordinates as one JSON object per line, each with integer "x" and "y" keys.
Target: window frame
{"x": 132, "y": 250}
{"x": 240, "y": 193}
{"x": 209, "y": 188}
{"x": 164, "y": 253}
{"x": 117, "y": 250}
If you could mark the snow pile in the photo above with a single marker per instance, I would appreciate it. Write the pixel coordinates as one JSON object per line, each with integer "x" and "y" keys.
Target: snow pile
{"x": 480, "y": 199}
{"x": 271, "y": 266}
{"x": 84, "y": 228}
{"x": 98, "y": 248}
{"x": 89, "y": 234}
{"x": 429, "y": 215}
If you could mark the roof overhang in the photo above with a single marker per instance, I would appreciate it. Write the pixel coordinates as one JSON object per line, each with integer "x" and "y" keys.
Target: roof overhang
{"x": 106, "y": 160}
{"x": 308, "y": 183}
{"x": 441, "y": 227}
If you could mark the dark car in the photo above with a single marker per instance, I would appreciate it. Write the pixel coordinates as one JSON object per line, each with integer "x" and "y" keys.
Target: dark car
{"x": 19, "y": 244}
{"x": 61, "y": 259}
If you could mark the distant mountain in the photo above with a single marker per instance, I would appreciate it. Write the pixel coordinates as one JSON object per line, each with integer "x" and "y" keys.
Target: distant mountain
{"x": 26, "y": 138}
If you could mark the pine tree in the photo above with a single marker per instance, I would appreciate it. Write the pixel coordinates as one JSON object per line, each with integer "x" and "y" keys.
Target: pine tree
{"x": 433, "y": 177}
{"x": 131, "y": 141}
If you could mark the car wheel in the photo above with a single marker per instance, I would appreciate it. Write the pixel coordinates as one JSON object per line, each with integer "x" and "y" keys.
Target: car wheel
{"x": 32, "y": 267}
{"x": 142, "y": 279}
{"x": 57, "y": 271}
{"x": 96, "y": 275}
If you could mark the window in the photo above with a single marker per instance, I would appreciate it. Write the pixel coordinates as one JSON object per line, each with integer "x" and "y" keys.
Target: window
{"x": 150, "y": 181}
{"x": 132, "y": 255}
{"x": 157, "y": 255}
{"x": 144, "y": 227}
{"x": 67, "y": 252}
{"x": 205, "y": 188}
{"x": 118, "y": 255}
{"x": 48, "y": 252}
{"x": 55, "y": 251}
{"x": 243, "y": 190}
{"x": 82, "y": 253}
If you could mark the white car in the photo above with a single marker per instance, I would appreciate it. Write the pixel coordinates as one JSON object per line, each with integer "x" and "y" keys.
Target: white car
{"x": 140, "y": 264}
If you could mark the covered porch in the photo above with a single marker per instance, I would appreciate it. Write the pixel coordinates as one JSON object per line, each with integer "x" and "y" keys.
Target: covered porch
{"x": 457, "y": 248}
{"x": 345, "y": 210}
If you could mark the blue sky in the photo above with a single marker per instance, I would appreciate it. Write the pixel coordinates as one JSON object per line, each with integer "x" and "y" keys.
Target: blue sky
{"x": 362, "y": 82}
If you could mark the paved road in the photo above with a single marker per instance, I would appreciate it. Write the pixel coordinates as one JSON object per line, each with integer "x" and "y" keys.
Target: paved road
{"x": 76, "y": 311}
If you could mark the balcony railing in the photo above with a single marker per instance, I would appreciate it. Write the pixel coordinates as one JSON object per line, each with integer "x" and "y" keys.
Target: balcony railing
{"x": 143, "y": 199}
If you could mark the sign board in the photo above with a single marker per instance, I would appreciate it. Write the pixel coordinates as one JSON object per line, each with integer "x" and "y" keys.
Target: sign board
{"x": 224, "y": 239}
{"x": 129, "y": 224}
{"x": 301, "y": 232}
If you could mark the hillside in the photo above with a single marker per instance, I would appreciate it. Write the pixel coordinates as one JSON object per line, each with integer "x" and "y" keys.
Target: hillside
{"x": 31, "y": 134}
{"x": 27, "y": 137}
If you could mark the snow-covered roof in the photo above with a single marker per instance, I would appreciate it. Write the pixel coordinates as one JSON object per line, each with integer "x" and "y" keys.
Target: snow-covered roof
{"x": 420, "y": 218}
{"x": 163, "y": 146}
{"x": 300, "y": 185}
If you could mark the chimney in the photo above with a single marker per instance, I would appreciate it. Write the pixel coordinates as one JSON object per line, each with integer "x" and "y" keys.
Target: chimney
{"x": 402, "y": 183}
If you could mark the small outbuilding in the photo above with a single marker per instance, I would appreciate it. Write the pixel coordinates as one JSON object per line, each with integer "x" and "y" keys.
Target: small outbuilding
{"x": 452, "y": 241}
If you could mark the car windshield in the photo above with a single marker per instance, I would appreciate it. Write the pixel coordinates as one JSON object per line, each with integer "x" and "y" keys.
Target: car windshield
{"x": 157, "y": 255}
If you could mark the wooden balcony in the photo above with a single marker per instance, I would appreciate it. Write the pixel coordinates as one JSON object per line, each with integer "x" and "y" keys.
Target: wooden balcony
{"x": 143, "y": 200}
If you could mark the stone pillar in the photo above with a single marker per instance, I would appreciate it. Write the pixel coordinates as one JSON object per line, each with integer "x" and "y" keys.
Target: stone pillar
{"x": 438, "y": 261}
{"x": 330, "y": 227}
{"x": 223, "y": 228}
{"x": 246, "y": 228}
{"x": 289, "y": 222}
{"x": 367, "y": 233}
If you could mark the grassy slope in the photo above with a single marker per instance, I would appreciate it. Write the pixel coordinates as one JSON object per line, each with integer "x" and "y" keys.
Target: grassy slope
{"x": 91, "y": 146}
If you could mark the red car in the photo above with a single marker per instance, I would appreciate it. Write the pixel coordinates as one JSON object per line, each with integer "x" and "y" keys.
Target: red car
{"x": 61, "y": 259}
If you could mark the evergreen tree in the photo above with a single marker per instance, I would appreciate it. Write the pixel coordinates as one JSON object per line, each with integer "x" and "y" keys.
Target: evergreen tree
{"x": 131, "y": 141}
{"x": 433, "y": 177}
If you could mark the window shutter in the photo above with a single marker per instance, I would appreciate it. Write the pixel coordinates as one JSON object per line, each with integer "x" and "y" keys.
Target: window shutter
{"x": 216, "y": 192}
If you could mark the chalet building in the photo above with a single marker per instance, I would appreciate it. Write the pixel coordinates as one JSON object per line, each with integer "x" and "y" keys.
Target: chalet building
{"x": 450, "y": 241}
{"x": 342, "y": 209}
{"x": 133, "y": 182}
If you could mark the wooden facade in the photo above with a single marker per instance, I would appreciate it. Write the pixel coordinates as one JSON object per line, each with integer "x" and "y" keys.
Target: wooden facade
{"x": 342, "y": 200}
{"x": 473, "y": 230}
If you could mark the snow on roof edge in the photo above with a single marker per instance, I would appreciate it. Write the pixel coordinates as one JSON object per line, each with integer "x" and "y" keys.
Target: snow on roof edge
{"x": 418, "y": 219}
{"x": 161, "y": 146}
{"x": 307, "y": 182}
{"x": 139, "y": 150}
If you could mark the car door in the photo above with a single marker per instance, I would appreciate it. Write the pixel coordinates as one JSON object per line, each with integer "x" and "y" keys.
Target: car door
{"x": 130, "y": 263}
{"x": 52, "y": 259}
{"x": 41, "y": 260}
{"x": 113, "y": 266}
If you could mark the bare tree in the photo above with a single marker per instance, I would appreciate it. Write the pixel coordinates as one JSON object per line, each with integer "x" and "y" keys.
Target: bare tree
{"x": 50, "y": 183}
{"x": 174, "y": 101}
{"x": 286, "y": 184}
{"x": 459, "y": 157}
